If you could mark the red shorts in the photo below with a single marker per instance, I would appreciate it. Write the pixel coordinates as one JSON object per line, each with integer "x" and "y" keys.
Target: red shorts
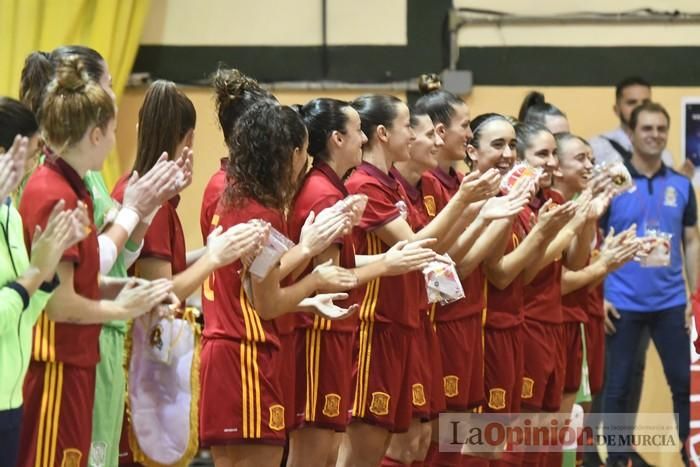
{"x": 241, "y": 397}
{"x": 461, "y": 348}
{"x": 427, "y": 394}
{"x": 595, "y": 351}
{"x": 503, "y": 369}
{"x": 543, "y": 380}
{"x": 324, "y": 378}
{"x": 383, "y": 392}
{"x": 288, "y": 379}
{"x": 57, "y": 422}
{"x": 573, "y": 345}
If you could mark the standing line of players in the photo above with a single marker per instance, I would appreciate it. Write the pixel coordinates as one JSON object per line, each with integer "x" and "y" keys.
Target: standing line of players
{"x": 352, "y": 379}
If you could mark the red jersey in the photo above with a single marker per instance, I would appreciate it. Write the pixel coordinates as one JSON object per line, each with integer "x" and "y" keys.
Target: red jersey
{"x": 543, "y": 294}
{"x": 415, "y": 198}
{"x": 595, "y": 293}
{"x": 164, "y": 238}
{"x": 74, "y": 344}
{"x": 321, "y": 189}
{"x": 505, "y": 308}
{"x": 390, "y": 299}
{"x": 438, "y": 188}
{"x": 212, "y": 193}
{"x": 574, "y": 306}
{"x": 230, "y": 314}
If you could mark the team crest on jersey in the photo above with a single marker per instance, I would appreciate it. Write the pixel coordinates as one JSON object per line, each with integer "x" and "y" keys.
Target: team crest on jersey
{"x": 528, "y": 387}
{"x": 418, "y": 395}
{"x": 429, "y": 203}
{"x": 671, "y": 197}
{"x": 451, "y": 384}
{"x": 380, "y": 403}
{"x": 71, "y": 458}
{"x": 276, "y": 417}
{"x": 497, "y": 398}
{"x": 331, "y": 408}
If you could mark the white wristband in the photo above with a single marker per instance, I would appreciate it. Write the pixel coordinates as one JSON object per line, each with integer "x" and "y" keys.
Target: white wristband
{"x": 149, "y": 218}
{"x": 128, "y": 219}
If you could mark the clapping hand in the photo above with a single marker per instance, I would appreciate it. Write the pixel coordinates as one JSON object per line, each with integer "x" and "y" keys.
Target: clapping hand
{"x": 323, "y": 305}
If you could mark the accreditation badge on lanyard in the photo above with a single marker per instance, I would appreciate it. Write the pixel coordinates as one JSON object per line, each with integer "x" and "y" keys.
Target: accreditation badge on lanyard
{"x": 656, "y": 239}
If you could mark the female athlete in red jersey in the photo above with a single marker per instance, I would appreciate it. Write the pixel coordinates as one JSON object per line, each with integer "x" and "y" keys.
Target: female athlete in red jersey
{"x": 166, "y": 124}
{"x": 543, "y": 382}
{"x": 78, "y": 122}
{"x": 235, "y": 93}
{"x": 242, "y": 416}
{"x": 390, "y": 315}
{"x": 458, "y": 324}
{"x": 325, "y": 349}
{"x": 493, "y": 145}
{"x": 574, "y": 176}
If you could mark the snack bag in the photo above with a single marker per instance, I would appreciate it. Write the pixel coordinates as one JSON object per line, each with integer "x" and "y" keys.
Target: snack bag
{"x": 442, "y": 283}
{"x": 659, "y": 254}
{"x": 519, "y": 171}
{"x": 276, "y": 246}
{"x": 619, "y": 175}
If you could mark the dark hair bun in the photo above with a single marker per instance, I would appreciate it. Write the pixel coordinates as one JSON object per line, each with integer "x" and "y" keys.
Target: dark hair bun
{"x": 71, "y": 75}
{"x": 429, "y": 82}
{"x": 230, "y": 84}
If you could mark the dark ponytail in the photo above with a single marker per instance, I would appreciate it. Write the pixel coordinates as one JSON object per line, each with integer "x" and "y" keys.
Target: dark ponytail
{"x": 535, "y": 109}
{"x": 164, "y": 119}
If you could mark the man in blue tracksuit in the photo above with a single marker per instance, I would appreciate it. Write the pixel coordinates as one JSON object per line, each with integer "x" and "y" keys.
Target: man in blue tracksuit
{"x": 653, "y": 296}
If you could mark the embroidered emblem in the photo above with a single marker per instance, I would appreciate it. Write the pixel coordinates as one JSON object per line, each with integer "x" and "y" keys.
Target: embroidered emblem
{"x": 451, "y": 384}
{"x": 418, "y": 395}
{"x": 71, "y": 458}
{"x": 98, "y": 454}
{"x": 429, "y": 203}
{"x": 380, "y": 403}
{"x": 528, "y": 387}
{"x": 331, "y": 408}
{"x": 497, "y": 398}
{"x": 276, "y": 417}
{"x": 156, "y": 338}
{"x": 670, "y": 197}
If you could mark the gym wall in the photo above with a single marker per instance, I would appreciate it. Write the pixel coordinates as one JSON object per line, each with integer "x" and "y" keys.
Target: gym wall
{"x": 379, "y": 41}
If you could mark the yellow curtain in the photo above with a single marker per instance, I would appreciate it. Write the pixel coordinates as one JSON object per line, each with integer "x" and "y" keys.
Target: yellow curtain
{"x": 112, "y": 27}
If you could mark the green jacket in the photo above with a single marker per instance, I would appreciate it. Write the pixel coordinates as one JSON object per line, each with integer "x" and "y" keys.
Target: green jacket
{"x": 18, "y": 312}
{"x": 102, "y": 203}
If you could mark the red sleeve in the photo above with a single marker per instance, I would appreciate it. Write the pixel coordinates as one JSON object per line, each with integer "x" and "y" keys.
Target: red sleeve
{"x": 157, "y": 243}
{"x": 35, "y": 211}
{"x": 381, "y": 208}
